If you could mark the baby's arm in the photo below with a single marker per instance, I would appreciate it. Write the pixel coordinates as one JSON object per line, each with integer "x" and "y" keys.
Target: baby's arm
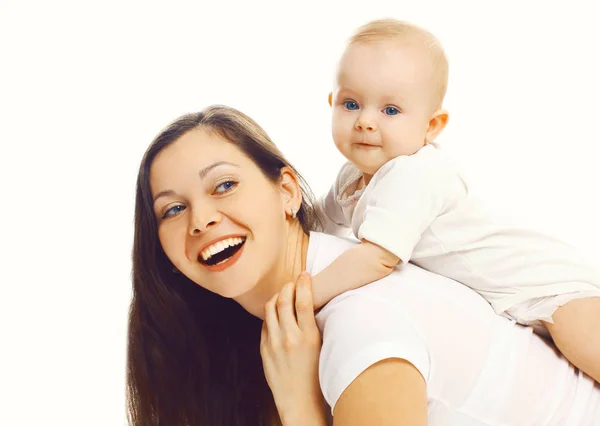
{"x": 409, "y": 194}
{"x": 360, "y": 265}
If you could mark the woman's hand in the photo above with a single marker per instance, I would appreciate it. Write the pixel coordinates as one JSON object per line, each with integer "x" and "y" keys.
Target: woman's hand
{"x": 290, "y": 347}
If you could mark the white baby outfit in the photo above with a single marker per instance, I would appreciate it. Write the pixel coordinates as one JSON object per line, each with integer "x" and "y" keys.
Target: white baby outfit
{"x": 418, "y": 207}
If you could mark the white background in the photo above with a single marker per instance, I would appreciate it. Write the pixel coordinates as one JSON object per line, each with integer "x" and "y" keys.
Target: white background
{"x": 84, "y": 87}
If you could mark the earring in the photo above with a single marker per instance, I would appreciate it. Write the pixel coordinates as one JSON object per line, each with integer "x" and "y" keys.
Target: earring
{"x": 293, "y": 213}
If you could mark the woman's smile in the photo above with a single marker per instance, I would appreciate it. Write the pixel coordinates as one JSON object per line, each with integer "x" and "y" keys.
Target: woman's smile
{"x": 222, "y": 253}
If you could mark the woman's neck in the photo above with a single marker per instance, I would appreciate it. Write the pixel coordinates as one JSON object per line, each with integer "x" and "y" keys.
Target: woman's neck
{"x": 292, "y": 263}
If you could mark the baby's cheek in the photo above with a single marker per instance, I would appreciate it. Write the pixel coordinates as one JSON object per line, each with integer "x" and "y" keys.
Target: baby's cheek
{"x": 339, "y": 136}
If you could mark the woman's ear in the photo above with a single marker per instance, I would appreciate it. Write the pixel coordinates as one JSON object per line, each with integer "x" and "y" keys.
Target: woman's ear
{"x": 290, "y": 190}
{"x": 437, "y": 123}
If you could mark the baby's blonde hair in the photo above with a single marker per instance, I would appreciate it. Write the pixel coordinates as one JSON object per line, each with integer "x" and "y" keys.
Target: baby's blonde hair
{"x": 392, "y": 29}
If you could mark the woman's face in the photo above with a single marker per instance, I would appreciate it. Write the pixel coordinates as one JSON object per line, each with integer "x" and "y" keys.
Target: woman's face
{"x": 221, "y": 222}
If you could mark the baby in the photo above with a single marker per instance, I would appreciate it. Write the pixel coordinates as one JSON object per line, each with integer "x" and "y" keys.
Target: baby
{"x": 405, "y": 202}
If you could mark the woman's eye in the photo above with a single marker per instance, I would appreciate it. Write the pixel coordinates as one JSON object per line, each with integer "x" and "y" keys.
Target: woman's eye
{"x": 173, "y": 211}
{"x": 225, "y": 186}
{"x": 350, "y": 105}
{"x": 391, "y": 110}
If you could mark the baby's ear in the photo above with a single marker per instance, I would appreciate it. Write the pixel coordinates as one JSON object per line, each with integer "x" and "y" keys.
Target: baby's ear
{"x": 330, "y": 99}
{"x": 437, "y": 123}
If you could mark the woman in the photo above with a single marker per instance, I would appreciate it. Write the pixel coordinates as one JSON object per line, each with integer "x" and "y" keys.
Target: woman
{"x": 222, "y": 221}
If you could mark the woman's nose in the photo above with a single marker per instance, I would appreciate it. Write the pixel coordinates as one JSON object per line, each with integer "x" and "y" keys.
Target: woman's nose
{"x": 202, "y": 221}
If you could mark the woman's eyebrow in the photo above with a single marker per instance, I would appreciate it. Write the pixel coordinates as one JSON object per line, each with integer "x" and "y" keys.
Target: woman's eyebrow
{"x": 168, "y": 192}
{"x": 202, "y": 173}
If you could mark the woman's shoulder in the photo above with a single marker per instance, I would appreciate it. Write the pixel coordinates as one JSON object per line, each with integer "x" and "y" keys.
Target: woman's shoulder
{"x": 411, "y": 314}
{"x": 448, "y": 332}
{"x": 358, "y": 332}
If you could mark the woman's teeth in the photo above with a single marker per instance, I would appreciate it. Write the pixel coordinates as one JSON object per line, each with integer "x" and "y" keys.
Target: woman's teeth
{"x": 219, "y": 246}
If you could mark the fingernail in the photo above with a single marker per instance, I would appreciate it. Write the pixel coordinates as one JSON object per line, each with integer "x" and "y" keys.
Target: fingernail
{"x": 304, "y": 276}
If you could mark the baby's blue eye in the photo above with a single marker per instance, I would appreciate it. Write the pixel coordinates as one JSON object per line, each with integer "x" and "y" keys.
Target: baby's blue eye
{"x": 391, "y": 110}
{"x": 351, "y": 105}
{"x": 173, "y": 211}
{"x": 225, "y": 186}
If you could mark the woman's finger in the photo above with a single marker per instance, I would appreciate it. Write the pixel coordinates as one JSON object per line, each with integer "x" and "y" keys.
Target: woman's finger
{"x": 264, "y": 334}
{"x": 305, "y": 308}
{"x": 264, "y": 337}
{"x": 271, "y": 320}
{"x": 285, "y": 309}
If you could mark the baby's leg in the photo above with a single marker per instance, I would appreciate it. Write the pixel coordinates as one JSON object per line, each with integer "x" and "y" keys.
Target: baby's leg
{"x": 572, "y": 320}
{"x": 576, "y": 333}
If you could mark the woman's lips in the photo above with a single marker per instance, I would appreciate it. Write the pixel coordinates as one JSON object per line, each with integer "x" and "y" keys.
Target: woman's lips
{"x": 227, "y": 263}
{"x": 216, "y": 240}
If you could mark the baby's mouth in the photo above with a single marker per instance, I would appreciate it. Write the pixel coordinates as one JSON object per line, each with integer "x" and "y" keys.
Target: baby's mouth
{"x": 226, "y": 249}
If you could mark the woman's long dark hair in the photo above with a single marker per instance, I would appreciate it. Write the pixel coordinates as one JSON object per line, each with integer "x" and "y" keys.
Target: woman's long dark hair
{"x": 193, "y": 356}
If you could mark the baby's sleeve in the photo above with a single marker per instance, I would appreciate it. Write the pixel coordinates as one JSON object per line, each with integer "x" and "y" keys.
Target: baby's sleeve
{"x": 405, "y": 201}
{"x": 358, "y": 332}
{"x": 330, "y": 213}
{"x": 328, "y": 208}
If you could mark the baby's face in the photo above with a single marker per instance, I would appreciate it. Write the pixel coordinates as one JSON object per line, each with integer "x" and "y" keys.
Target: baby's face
{"x": 382, "y": 102}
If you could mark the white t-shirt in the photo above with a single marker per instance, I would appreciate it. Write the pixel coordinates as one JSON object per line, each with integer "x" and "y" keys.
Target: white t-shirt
{"x": 419, "y": 208}
{"x": 480, "y": 368}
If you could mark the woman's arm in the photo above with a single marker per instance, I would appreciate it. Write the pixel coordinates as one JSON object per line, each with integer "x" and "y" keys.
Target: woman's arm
{"x": 391, "y": 392}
